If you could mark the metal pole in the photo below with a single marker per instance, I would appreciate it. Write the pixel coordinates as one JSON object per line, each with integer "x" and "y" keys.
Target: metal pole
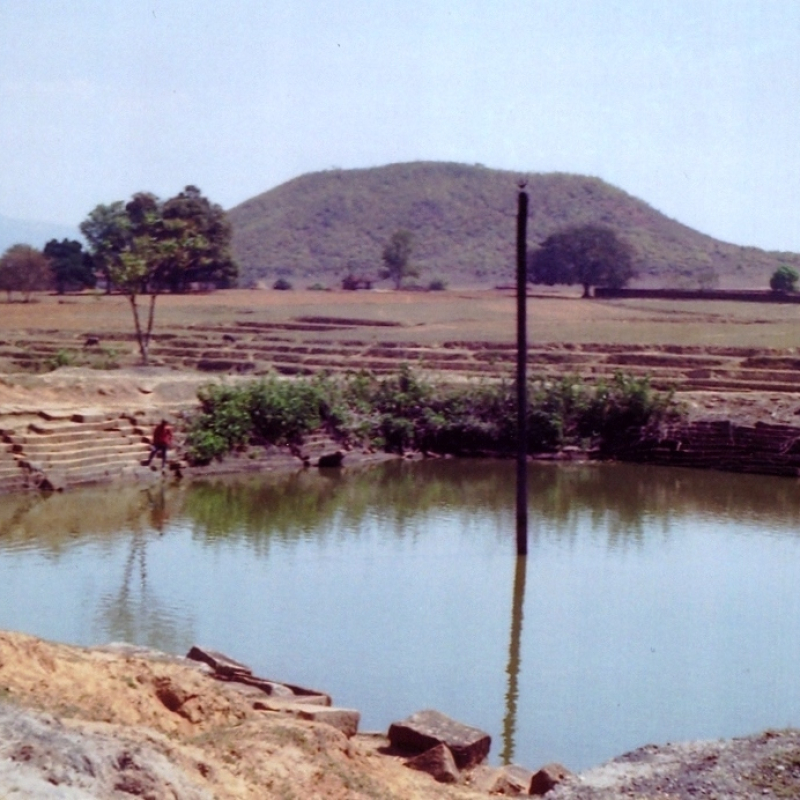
{"x": 522, "y": 359}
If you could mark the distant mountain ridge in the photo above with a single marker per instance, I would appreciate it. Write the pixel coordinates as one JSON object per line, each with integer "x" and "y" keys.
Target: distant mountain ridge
{"x": 320, "y": 226}
{"x": 34, "y": 233}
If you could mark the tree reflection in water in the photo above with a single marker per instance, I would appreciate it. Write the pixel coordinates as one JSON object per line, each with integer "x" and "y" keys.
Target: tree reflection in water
{"x": 134, "y": 614}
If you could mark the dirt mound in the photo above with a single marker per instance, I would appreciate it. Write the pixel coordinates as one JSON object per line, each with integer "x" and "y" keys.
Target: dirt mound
{"x": 80, "y": 723}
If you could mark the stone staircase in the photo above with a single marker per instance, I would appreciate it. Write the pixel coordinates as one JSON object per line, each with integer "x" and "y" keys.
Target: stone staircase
{"x": 51, "y": 451}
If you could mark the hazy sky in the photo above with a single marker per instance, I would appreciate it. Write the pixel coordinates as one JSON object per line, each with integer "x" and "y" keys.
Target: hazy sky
{"x": 690, "y": 105}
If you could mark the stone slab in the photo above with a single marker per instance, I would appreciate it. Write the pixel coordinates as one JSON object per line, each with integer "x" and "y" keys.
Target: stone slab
{"x": 219, "y": 662}
{"x": 426, "y": 729}
{"x": 548, "y": 777}
{"x": 344, "y": 719}
{"x": 288, "y": 704}
{"x": 438, "y": 762}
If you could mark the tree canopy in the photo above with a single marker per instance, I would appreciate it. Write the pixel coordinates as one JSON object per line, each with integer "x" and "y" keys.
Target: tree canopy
{"x": 148, "y": 246}
{"x": 397, "y": 258}
{"x": 72, "y": 268}
{"x": 784, "y": 279}
{"x": 24, "y": 269}
{"x": 589, "y": 255}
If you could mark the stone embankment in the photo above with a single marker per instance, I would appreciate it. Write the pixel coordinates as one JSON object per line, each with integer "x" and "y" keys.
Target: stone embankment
{"x": 761, "y": 448}
{"x": 77, "y": 426}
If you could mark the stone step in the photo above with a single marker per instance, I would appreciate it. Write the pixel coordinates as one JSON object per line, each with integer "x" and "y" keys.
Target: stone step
{"x": 722, "y": 385}
{"x": 75, "y": 438}
{"x": 53, "y": 427}
{"x": 110, "y": 445}
{"x": 14, "y": 483}
{"x": 73, "y": 462}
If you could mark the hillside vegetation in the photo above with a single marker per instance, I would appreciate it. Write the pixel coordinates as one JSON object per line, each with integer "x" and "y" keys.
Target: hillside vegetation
{"x": 321, "y": 226}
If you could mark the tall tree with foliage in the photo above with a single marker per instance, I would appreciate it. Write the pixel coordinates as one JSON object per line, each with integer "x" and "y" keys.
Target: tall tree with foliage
{"x": 589, "y": 255}
{"x": 24, "y": 269}
{"x": 72, "y": 267}
{"x": 205, "y": 226}
{"x": 107, "y": 231}
{"x": 147, "y": 246}
{"x": 397, "y": 258}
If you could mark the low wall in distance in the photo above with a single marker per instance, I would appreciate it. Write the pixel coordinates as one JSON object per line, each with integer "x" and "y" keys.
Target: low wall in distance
{"x": 739, "y": 295}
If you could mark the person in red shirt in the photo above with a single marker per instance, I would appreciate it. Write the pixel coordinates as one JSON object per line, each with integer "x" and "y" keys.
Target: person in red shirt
{"x": 162, "y": 441}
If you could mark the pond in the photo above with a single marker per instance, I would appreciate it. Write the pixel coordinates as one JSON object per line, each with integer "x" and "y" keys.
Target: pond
{"x": 655, "y": 604}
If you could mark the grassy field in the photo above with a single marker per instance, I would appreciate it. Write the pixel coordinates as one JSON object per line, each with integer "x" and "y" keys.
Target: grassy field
{"x": 430, "y": 318}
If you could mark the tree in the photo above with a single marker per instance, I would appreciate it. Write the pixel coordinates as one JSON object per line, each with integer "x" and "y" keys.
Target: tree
{"x": 24, "y": 269}
{"x": 591, "y": 255}
{"x": 784, "y": 279}
{"x": 396, "y": 258}
{"x": 147, "y": 246}
{"x": 72, "y": 268}
{"x": 107, "y": 231}
{"x": 205, "y": 228}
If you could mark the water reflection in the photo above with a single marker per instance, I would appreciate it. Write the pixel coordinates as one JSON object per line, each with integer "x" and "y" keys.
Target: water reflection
{"x": 514, "y": 661}
{"x": 134, "y": 612}
{"x": 621, "y": 499}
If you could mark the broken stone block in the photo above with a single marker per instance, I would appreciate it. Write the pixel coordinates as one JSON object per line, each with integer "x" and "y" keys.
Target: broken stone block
{"x": 272, "y": 688}
{"x": 511, "y": 780}
{"x": 219, "y": 662}
{"x": 437, "y": 762}
{"x": 280, "y": 689}
{"x": 548, "y": 777}
{"x": 426, "y": 729}
{"x": 344, "y": 719}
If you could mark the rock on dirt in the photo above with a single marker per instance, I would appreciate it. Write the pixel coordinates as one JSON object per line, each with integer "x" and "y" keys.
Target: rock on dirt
{"x": 43, "y": 758}
{"x": 765, "y": 765}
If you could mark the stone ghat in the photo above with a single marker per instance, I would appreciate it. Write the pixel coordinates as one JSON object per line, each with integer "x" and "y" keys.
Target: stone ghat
{"x": 428, "y": 740}
{"x": 55, "y": 450}
{"x": 763, "y": 448}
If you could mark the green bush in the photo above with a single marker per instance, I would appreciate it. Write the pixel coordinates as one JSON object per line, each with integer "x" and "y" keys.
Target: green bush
{"x": 623, "y": 407}
{"x": 403, "y": 412}
{"x": 63, "y": 358}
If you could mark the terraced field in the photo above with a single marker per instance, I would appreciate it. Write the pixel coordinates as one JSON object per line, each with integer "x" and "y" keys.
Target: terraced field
{"x": 448, "y": 336}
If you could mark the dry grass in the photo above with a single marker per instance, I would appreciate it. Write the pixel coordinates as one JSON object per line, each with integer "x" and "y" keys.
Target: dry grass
{"x": 430, "y": 317}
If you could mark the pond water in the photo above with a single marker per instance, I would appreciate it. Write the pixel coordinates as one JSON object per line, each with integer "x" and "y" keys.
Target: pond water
{"x": 655, "y": 604}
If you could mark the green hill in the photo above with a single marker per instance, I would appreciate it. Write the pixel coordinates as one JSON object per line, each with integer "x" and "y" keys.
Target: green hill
{"x": 320, "y": 226}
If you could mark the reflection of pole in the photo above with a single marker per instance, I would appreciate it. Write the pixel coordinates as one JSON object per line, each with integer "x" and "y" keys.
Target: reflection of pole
{"x": 522, "y": 357}
{"x": 514, "y": 661}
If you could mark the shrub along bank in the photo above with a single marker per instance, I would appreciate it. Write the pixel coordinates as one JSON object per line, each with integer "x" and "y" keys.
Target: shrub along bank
{"x": 404, "y": 412}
